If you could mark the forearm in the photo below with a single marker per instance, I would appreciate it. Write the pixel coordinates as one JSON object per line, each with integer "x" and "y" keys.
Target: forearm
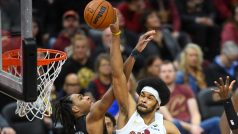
{"x": 116, "y": 58}
{"x": 196, "y": 119}
{"x": 128, "y": 66}
{"x": 231, "y": 115}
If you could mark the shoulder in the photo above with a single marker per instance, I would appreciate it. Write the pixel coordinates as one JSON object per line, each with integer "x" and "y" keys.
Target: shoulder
{"x": 179, "y": 76}
{"x": 170, "y": 128}
{"x": 186, "y": 90}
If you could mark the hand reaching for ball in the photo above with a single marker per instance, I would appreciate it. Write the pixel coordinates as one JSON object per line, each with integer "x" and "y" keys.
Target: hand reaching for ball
{"x": 115, "y": 28}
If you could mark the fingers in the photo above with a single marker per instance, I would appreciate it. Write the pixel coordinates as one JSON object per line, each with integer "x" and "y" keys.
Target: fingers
{"x": 232, "y": 84}
{"x": 217, "y": 84}
{"x": 216, "y": 91}
{"x": 227, "y": 80}
{"x": 149, "y": 33}
{"x": 221, "y": 81}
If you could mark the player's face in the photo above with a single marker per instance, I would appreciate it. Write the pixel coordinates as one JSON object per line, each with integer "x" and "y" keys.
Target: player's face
{"x": 146, "y": 103}
{"x": 81, "y": 102}
{"x": 167, "y": 73}
{"x": 192, "y": 57}
{"x": 153, "y": 21}
{"x": 109, "y": 125}
{"x": 105, "y": 67}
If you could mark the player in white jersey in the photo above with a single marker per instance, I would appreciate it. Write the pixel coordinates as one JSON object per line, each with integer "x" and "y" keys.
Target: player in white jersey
{"x": 142, "y": 117}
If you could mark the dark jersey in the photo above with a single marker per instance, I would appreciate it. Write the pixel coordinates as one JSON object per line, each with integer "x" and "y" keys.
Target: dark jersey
{"x": 80, "y": 126}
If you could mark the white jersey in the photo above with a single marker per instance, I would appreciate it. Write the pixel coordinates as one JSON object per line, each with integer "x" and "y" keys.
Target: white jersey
{"x": 137, "y": 125}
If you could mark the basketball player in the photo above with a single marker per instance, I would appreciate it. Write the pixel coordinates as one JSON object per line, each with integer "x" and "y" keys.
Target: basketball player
{"x": 77, "y": 113}
{"x": 153, "y": 93}
{"x": 224, "y": 91}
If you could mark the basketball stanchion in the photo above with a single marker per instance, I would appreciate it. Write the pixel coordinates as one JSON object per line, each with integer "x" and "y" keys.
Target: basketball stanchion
{"x": 49, "y": 64}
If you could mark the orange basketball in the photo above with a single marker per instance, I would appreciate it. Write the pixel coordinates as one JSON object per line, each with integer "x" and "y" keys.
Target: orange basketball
{"x": 99, "y": 14}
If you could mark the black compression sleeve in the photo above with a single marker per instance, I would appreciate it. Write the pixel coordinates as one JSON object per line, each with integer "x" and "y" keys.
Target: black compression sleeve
{"x": 231, "y": 115}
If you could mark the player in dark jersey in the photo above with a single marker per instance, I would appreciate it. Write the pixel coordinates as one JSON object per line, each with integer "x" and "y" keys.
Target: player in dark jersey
{"x": 78, "y": 114}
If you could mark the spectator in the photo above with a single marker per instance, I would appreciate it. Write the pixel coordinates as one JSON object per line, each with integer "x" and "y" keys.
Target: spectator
{"x": 182, "y": 107}
{"x": 197, "y": 17}
{"x": 230, "y": 29}
{"x": 151, "y": 68}
{"x": 110, "y": 123}
{"x": 4, "y": 127}
{"x": 223, "y": 9}
{"x": 163, "y": 43}
{"x": 59, "y": 7}
{"x": 106, "y": 43}
{"x": 37, "y": 32}
{"x": 80, "y": 59}
{"x": 70, "y": 28}
{"x": 102, "y": 82}
{"x": 71, "y": 86}
{"x": 224, "y": 64}
{"x": 190, "y": 68}
{"x": 131, "y": 10}
{"x": 167, "y": 12}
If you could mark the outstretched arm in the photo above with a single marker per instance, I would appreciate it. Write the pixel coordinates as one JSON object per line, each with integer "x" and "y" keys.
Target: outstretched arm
{"x": 224, "y": 90}
{"x": 119, "y": 78}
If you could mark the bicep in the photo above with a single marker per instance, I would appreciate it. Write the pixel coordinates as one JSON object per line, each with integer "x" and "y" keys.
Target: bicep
{"x": 121, "y": 93}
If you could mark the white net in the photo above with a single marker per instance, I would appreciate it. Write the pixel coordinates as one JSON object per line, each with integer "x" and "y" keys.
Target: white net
{"x": 45, "y": 79}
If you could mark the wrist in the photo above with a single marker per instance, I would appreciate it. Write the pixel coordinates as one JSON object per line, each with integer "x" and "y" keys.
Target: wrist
{"x": 135, "y": 53}
{"x": 116, "y": 33}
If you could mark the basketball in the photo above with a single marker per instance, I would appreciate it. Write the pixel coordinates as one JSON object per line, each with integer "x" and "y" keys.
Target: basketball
{"x": 99, "y": 14}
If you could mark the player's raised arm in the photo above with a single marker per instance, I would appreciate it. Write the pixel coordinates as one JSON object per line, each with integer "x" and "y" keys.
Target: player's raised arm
{"x": 119, "y": 83}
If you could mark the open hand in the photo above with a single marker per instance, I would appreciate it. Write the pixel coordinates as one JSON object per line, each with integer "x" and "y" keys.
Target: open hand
{"x": 224, "y": 88}
{"x": 144, "y": 39}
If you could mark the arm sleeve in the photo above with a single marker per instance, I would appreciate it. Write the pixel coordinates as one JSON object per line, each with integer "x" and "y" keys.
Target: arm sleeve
{"x": 231, "y": 115}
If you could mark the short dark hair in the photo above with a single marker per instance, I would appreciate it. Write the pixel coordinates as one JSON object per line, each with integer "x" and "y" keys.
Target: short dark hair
{"x": 158, "y": 85}
{"x": 144, "y": 18}
{"x": 111, "y": 118}
{"x": 166, "y": 62}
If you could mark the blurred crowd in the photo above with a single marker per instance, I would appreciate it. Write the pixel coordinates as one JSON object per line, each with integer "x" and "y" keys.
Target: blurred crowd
{"x": 199, "y": 38}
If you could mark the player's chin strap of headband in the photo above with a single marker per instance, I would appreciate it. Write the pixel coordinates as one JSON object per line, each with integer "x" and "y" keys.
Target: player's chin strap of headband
{"x": 152, "y": 91}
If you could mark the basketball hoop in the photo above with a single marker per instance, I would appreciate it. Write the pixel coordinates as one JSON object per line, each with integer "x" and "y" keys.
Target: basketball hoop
{"x": 49, "y": 64}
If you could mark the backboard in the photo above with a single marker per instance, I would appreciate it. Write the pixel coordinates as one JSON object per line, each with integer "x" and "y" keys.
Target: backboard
{"x": 17, "y": 81}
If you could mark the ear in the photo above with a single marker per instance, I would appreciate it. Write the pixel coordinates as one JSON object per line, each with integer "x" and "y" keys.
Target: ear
{"x": 157, "y": 107}
{"x": 75, "y": 109}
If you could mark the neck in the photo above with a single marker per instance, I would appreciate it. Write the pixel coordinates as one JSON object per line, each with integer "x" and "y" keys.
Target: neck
{"x": 149, "y": 118}
{"x": 105, "y": 79}
{"x": 77, "y": 115}
{"x": 171, "y": 86}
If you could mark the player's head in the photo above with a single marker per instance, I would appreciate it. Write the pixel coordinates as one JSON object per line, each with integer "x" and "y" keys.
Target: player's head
{"x": 153, "y": 93}
{"x": 70, "y": 107}
{"x": 110, "y": 123}
{"x": 167, "y": 72}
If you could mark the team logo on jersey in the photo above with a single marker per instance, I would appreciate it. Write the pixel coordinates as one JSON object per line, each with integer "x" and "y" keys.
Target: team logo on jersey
{"x": 146, "y": 131}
